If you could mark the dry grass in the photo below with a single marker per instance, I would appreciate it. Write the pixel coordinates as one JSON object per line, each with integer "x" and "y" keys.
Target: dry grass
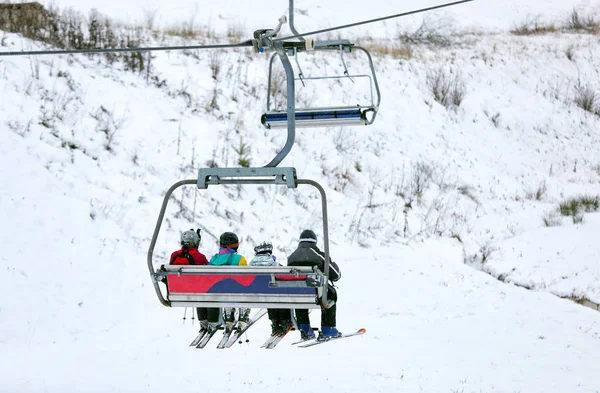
{"x": 576, "y": 22}
{"x": 534, "y": 27}
{"x": 395, "y": 51}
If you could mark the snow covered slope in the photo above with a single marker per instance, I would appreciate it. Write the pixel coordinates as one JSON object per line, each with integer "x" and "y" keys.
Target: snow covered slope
{"x": 89, "y": 149}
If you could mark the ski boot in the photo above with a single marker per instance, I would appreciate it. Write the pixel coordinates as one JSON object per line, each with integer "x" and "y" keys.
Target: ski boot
{"x": 244, "y": 317}
{"x": 229, "y": 319}
{"x": 275, "y": 328}
{"x": 212, "y": 326}
{"x": 328, "y": 332}
{"x": 306, "y": 332}
{"x": 203, "y": 325}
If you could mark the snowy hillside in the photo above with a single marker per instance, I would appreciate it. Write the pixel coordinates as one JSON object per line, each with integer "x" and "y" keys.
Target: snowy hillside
{"x": 458, "y": 229}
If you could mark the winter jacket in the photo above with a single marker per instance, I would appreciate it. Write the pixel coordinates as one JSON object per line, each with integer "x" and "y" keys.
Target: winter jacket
{"x": 263, "y": 260}
{"x": 227, "y": 257}
{"x": 308, "y": 254}
{"x": 199, "y": 258}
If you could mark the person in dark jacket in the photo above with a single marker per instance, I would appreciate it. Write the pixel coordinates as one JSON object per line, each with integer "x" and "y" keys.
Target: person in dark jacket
{"x": 189, "y": 255}
{"x": 308, "y": 254}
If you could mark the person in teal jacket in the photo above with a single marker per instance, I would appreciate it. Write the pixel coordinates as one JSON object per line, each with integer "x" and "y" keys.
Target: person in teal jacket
{"x": 227, "y": 256}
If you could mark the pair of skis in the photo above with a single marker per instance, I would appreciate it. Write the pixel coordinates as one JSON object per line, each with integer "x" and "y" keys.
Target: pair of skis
{"x": 230, "y": 336}
{"x": 276, "y": 338}
{"x": 318, "y": 341}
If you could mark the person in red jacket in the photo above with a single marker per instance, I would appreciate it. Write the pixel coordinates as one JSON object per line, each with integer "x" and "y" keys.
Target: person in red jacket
{"x": 189, "y": 255}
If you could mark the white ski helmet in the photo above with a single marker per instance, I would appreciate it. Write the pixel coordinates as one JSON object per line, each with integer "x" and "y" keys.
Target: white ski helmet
{"x": 264, "y": 248}
{"x": 190, "y": 239}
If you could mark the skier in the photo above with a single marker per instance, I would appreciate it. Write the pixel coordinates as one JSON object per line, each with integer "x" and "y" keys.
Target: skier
{"x": 308, "y": 254}
{"x": 227, "y": 256}
{"x": 189, "y": 255}
{"x": 280, "y": 317}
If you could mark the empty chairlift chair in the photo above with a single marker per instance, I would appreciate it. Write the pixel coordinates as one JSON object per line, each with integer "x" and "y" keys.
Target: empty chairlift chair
{"x": 349, "y": 115}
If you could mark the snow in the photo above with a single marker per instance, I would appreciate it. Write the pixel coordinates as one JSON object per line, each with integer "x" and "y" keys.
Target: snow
{"x": 310, "y": 15}
{"x": 442, "y": 314}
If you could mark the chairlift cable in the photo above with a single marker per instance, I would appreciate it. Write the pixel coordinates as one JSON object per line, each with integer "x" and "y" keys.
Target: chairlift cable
{"x": 372, "y": 20}
{"x": 114, "y": 50}
{"x": 247, "y": 43}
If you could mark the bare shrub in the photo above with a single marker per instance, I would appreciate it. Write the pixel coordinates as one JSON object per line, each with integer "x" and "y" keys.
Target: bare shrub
{"x": 586, "y": 98}
{"x": 432, "y": 32}
{"x": 539, "y": 192}
{"x": 552, "y": 219}
{"x": 71, "y": 30}
{"x": 235, "y": 32}
{"x": 582, "y": 23}
{"x": 494, "y": 118}
{"x": 448, "y": 88}
{"x": 214, "y": 63}
{"x": 414, "y": 182}
{"x": 18, "y": 127}
{"x": 108, "y": 124}
{"x": 243, "y": 152}
{"x": 577, "y": 206}
{"x": 27, "y": 19}
{"x": 533, "y": 25}
{"x": 570, "y": 53}
{"x": 150, "y": 17}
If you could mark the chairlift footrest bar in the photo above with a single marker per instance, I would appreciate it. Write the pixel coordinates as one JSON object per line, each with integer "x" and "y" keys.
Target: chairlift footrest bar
{"x": 264, "y": 175}
{"x": 315, "y": 118}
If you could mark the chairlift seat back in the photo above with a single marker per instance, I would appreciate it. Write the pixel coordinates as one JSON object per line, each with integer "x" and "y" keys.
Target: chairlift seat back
{"x": 243, "y": 286}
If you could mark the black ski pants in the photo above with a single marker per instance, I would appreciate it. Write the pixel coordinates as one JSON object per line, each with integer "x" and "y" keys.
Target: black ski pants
{"x": 327, "y": 314}
{"x": 279, "y": 315}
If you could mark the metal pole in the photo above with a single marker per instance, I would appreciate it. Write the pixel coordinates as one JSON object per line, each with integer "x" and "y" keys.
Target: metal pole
{"x": 374, "y": 79}
{"x": 291, "y": 18}
{"x": 291, "y": 106}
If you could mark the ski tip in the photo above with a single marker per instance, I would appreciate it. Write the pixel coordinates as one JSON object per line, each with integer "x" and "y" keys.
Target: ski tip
{"x": 362, "y": 330}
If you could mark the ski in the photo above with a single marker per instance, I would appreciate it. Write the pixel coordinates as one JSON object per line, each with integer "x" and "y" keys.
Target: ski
{"x": 303, "y": 341}
{"x": 306, "y": 340}
{"x": 226, "y": 335}
{"x": 277, "y": 339}
{"x": 359, "y": 332}
{"x": 269, "y": 340}
{"x": 210, "y": 333}
{"x": 237, "y": 333}
{"x": 198, "y": 337}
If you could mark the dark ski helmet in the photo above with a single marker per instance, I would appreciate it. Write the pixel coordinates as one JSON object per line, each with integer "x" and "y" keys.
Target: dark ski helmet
{"x": 229, "y": 240}
{"x": 308, "y": 236}
{"x": 190, "y": 239}
{"x": 264, "y": 248}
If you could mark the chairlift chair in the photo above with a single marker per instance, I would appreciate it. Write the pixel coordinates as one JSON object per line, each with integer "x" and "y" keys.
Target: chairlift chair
{"x": 350, "y": 115}
{"x": 241, "y": 286}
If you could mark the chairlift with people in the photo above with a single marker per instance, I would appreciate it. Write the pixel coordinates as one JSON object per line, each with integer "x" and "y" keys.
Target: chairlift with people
{"x": 264, "y": 287}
